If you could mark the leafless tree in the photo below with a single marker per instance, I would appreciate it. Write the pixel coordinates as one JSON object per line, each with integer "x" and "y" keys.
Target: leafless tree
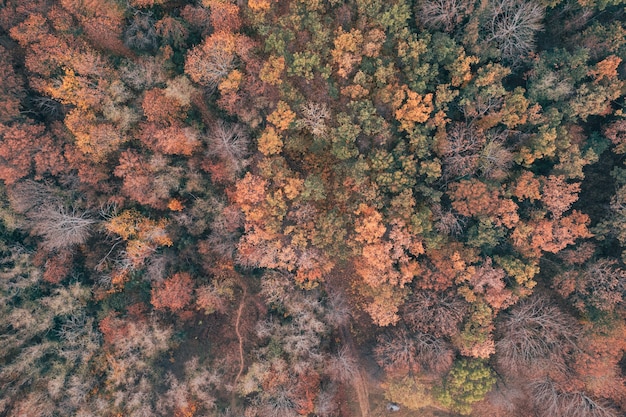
{"x": 460, "y": 150}
{"x": 47, "y": 215}
{"x": 60, "y": 227}
{"x": 444, "y": 14}
{"x": 314, "y": 117}
{"x": 534, "y": 334}
{"x": 551, "y": 401}
{"x": 395, "y": 351}
{"x": 495, "y": 159}
{"x": 446, "y": 222}
{"x": 439, "y": 314}
{"x": 604, "y": 284}
{"x": 229, "y": 142}
{"x": 513, "y": 25}
{"x": 342, "y": 366}
{"x": 141, "y": 34}
{"x": 433, "y": 354}
{"x": 326, "y": 405}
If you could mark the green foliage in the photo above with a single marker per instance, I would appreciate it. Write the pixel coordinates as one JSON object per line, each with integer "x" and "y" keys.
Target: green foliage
{"x": 468, "y": 382}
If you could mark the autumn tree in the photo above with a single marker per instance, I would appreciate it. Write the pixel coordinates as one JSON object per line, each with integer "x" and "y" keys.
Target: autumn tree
{"x": 174, "y": 293}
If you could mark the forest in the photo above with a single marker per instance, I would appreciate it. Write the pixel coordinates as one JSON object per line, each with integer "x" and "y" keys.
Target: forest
{"x": 322, "y": 208}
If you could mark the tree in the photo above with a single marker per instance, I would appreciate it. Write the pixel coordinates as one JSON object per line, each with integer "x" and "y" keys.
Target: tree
{"x": 558, "y": 196}
{"x": 535, "y": 336}
{"x": 230, "y": 144}
{"x": 174, "y": 294}
{"x": 443, "y": 14}
{"x": 11, "y": 88}
{"x": 401, "y": 352}
{"x": 210, "y": 62}
{"x": 60, "y": 227}
{"x": 513, "y": 25}
{"x": 436, "y": 313}
{"x": 468, "y": 382}
{"x": 600, "y": 286}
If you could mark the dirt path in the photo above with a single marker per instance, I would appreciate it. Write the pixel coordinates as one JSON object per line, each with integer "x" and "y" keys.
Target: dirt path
{"x": 359, "y": 383}
{"x": 242, "y": 303}
{"x": 239, "y": 337}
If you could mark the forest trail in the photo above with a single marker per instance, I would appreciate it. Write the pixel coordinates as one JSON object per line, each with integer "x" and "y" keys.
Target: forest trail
{"x": 240, "y": 340}
{"x": 359, "y": 383}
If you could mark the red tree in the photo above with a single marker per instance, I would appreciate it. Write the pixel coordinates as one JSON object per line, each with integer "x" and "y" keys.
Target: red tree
{"x": 174, "y": 293}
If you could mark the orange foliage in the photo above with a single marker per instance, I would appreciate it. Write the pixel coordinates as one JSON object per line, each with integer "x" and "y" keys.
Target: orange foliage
{"x": 598, "y": 362}
{"x": 558, "y": 196}
{"x": 272, "y": 70}
{"x": 474, "y": 198}
{"x": 607, "y": 68}
{"x": 348, "y": 51}
{"x": 550, "y": 235}
{"x": 416, "y": 108}
{"x": 449, "y": 264}
{"x": 176, "y": 139}
{"x": 270, "y": 142}
{"x": 224, "y": 16}
{"x": 113, "y": 328}
{"x": 158, "y": 107}
{"x": 527, "y": 186}
{"x": 174, "y": 293}
{"x": 175, "y": 205}
{"x": 259, "y": 5}
{"x": 211, "y": 61}
{"x": 187, "y": 411}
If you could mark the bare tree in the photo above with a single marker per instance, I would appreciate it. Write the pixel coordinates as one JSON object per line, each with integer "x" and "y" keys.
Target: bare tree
{"x": 314, "y": 117}
{"x": 551, "y": 401}
{"x": 60, "y": 227}
{"x": 395, "y": 351}
{"x": 513, "y": 25}
{"x": 535, "y": 334}
{"x": 444, "y": 14}
{"x": 439, "y": 314}
{"x": 229, "y": 143}
{"x": 47, "y": 215}
{"x": 141, "y": 34}
{"x": 342, "y": 366}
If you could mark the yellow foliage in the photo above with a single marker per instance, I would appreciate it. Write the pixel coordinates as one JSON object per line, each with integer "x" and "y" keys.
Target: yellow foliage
{"x": 293, "y": 187}
{"x": 347, "y": 52}
{"x": 282, "y": 116}
{"x": 272, "y": 70}
{"x": 259, "y": 5}
{"x": 270, "y": 142}
{"x": 231, "y": 82}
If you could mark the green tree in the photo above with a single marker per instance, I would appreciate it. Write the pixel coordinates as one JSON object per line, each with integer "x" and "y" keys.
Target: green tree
{"x": 468, "y": 382}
